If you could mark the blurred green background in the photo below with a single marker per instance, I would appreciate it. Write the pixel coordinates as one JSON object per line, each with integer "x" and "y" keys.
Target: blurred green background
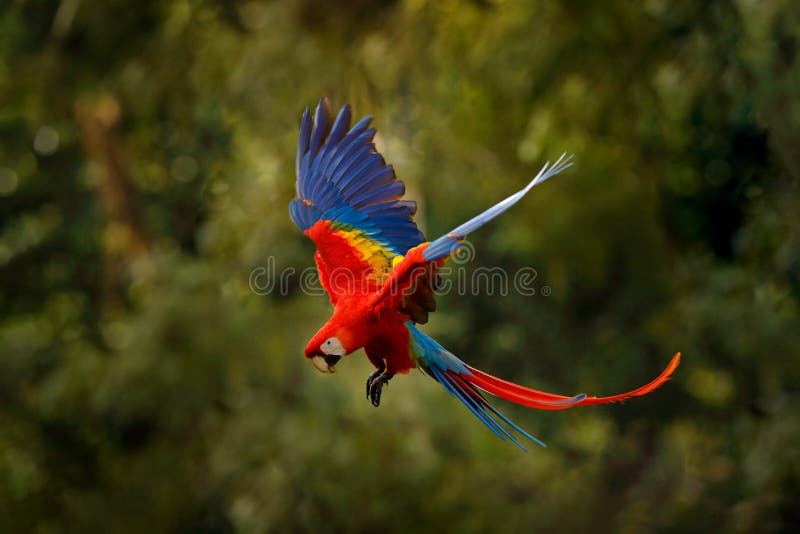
{"x": 146, "y": 165}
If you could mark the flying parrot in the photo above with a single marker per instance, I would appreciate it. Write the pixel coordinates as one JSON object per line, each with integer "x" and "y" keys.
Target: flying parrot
{"x": 381, "y": 274}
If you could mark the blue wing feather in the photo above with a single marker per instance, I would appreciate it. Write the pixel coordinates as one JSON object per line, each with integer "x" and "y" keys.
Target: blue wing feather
{"x": 340, "y": 125}
{"x": 388, "y": 191}
{"x": 372, "y": 177}
{"x": 360, "y": 148}
{"x": 396, "y": 208}
{"x": 302, "y": 145}
{"x": 362, "y": 175}
{"x": 320, "y": 126}
{"x": 342, "y": 150}
{"x": 450, "y": 242}
{"x": 342, "y": 178}
{"x": 342, "y": 175}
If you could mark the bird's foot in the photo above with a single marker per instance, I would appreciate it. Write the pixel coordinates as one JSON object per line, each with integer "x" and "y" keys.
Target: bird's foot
{"x": 375, "y": 384}
{"x": 371, "y": 378}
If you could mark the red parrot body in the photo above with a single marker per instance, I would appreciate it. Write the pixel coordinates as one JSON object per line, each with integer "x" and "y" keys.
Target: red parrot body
{"x": 381, "y": 274}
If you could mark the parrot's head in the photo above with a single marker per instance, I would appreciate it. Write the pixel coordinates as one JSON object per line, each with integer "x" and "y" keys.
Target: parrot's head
{"x": 328, "y": 346}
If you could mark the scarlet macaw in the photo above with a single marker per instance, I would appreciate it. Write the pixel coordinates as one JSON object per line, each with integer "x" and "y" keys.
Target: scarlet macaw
{"x": 380, "y": 273}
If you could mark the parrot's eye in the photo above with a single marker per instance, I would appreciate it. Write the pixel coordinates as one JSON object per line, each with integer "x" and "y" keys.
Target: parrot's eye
{"x": 332, "y": 346}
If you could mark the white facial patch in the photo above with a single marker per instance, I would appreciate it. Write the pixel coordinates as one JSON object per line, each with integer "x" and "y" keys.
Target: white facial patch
{"x": 332, "y": 346}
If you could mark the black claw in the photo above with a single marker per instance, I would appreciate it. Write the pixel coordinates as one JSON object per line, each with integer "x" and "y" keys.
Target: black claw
{"x": 375, "y": 386}
{"x": 371, "y": 378}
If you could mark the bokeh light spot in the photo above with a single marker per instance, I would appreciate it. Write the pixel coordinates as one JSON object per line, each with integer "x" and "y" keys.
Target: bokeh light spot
{"x": 46, "y": 140}
{"x": 8, "y": 181}
{"x": 711, "y": 386}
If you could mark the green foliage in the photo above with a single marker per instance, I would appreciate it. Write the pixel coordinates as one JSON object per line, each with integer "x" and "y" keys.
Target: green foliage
{"x": 146, "y": 164}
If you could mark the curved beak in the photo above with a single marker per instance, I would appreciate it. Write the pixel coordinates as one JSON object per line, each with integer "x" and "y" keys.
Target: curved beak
{"x": 325, "y": 364}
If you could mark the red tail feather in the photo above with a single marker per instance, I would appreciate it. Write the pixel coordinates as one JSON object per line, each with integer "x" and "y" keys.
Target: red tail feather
{"x": 549, "y": 401}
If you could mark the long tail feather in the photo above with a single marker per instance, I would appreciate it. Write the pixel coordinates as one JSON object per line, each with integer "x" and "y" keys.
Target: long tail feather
{"x": 665, "y": 375}
{"x": 548, "y": 401}
{"x": 466, "y": 383}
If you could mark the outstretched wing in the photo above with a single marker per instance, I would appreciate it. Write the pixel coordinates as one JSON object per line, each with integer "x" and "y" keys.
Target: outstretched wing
{"x": 349, "y": 203}
{"x": 452, "y": 240}
{"x": 413, "y": 280}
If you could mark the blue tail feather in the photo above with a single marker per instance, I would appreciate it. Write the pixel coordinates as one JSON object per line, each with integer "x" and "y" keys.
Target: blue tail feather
{"x": 448, "y": 370}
